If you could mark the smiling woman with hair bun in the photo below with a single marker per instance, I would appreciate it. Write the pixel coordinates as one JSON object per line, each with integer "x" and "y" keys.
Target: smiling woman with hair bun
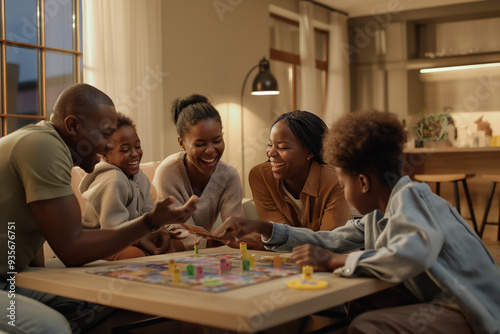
{"x": 197, "y": 169}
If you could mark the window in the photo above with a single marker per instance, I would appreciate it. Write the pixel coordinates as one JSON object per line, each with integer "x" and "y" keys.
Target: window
{"x": 40, "y": 56}
{"x": 285, "y": 60}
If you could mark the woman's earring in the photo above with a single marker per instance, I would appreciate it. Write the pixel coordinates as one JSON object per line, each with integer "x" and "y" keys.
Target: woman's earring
{"x": 308, "y": 158}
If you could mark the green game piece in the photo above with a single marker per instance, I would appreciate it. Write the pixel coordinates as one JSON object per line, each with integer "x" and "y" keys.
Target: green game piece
{"x": 212, "y": 283}
{"x": 190, "y": 270}
{"x": 245, "y": 265}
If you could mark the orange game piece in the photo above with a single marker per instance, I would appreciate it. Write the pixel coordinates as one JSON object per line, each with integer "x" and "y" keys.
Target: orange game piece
{"x": 277, "y": 261}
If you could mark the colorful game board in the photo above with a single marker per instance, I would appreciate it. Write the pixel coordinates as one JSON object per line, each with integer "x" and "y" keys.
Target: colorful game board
{"x": 157, "y": 272}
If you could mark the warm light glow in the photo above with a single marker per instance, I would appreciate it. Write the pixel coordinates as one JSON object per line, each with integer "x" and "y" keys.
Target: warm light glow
{"x": 458, "y": 68}
{"x": 266, "y": 92}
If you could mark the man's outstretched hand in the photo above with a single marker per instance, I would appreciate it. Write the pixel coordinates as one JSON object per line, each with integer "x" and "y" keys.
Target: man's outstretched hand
{"x": 164, "y": 213}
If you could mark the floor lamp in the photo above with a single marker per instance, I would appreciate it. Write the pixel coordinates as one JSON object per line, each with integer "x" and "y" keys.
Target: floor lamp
{"x": 264, "y": 84}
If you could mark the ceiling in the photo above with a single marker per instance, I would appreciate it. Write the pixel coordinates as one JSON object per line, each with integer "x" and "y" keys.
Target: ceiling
{"x": 355, "y": 8}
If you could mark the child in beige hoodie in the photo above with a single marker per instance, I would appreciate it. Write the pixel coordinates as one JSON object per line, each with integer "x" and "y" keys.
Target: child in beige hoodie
{"x": 118, "y": 191}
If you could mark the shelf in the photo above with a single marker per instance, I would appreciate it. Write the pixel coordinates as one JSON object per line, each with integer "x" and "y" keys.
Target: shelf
{"x": 417, "y": 64}
{"x": 429, "y": 150}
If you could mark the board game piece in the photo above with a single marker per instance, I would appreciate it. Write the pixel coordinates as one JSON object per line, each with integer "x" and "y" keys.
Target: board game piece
{"x": 190, "y": 270}
{"x": 307, "y": 282}
{"x": 298, "y": 284}
{"x": 171, "y": 266}
{"x": 176, "y": 278}
{"x": 277, "y": 261}
{"x": 208, "y": 280}
{"x": 245, "y": 265}
{"x": 224, "y": 266}
{"x": 243, "y": 250}
{"x": 199, "y": 272}
{"x": 252, "y": 260}
{"x": 196, "y": 247}
{"x": 307, "y": 273}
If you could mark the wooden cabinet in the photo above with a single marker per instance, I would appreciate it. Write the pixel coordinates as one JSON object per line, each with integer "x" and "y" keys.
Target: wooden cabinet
{"x": 387, "y": 56}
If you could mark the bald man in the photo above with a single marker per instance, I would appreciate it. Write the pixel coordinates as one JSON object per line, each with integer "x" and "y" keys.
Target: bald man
{"x": 37, "y": 202}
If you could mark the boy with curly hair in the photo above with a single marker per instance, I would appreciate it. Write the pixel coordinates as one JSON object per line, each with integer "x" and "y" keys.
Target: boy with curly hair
{"x": 448, "y": 282}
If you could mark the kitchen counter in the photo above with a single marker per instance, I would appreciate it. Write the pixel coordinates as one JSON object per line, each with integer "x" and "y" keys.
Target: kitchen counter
{"x": 455, "y": 160}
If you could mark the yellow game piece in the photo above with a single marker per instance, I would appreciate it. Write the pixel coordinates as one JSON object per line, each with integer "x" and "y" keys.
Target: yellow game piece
{"x": 243, "y": 250}
{"x": 307, "y": 273}
{"x": 299, "y": 284}
{"x": 171, "y": 266}
{"x": 277, "y": 261}
{"x": 252, "y": 260}
{"x": 307, "y": 282}
{"x": 176, "y": 276}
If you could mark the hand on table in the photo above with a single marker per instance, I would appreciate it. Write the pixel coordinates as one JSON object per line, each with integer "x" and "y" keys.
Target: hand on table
{"x": 234, "y": 228}
{"x": 253, "y": 242}
{"x": 319, "y": 258}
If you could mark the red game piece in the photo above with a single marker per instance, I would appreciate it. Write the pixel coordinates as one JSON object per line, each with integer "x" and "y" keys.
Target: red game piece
{"x": 224, "y": 266}
{"x": 199, "y": 272}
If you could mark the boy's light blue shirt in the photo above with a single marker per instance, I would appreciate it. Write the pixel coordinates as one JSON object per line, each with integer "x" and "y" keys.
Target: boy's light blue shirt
{"x": 421, "y": 241}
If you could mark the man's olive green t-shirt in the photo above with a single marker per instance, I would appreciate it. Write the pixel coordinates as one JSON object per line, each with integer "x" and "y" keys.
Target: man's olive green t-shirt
{"x": 35, "y": 164}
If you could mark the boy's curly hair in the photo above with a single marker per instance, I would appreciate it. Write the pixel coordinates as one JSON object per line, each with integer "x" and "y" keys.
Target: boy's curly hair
{"x": 370, "y": 141}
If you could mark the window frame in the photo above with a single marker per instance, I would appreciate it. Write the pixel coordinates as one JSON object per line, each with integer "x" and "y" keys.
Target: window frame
{"x": 41, "y": 59}
{"x": 294, "y": 59}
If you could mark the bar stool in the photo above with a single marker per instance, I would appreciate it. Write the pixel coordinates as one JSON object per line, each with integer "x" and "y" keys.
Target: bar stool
{"x": 455, "y": 178}
{"x": 494, "y": 179}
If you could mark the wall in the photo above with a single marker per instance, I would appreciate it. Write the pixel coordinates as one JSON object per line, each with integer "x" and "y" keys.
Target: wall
{"x": 208, "y": 48}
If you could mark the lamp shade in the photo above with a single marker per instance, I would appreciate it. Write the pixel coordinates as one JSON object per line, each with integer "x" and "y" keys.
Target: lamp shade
{"x": 264, "y": 83}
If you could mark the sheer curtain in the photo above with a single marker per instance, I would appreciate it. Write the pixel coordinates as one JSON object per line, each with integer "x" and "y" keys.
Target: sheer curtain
{"x": 338, "y": 83}
{"x": 123, "y": 58}
{"x": 338, "y": 92}
{"x": 309, "y": 90}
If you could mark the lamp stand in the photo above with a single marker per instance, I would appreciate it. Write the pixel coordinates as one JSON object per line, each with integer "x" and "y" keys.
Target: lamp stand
{"x": 242, "y": 129}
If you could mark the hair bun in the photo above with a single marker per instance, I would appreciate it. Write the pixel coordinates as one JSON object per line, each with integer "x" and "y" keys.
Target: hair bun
{"x": 180, "y": 104}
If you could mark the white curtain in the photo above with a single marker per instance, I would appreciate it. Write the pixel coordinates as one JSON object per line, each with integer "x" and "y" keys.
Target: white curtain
{"x": 338, "y": 92}
{"x": 309, "y": 90}
{"x": 123, "y": 57}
